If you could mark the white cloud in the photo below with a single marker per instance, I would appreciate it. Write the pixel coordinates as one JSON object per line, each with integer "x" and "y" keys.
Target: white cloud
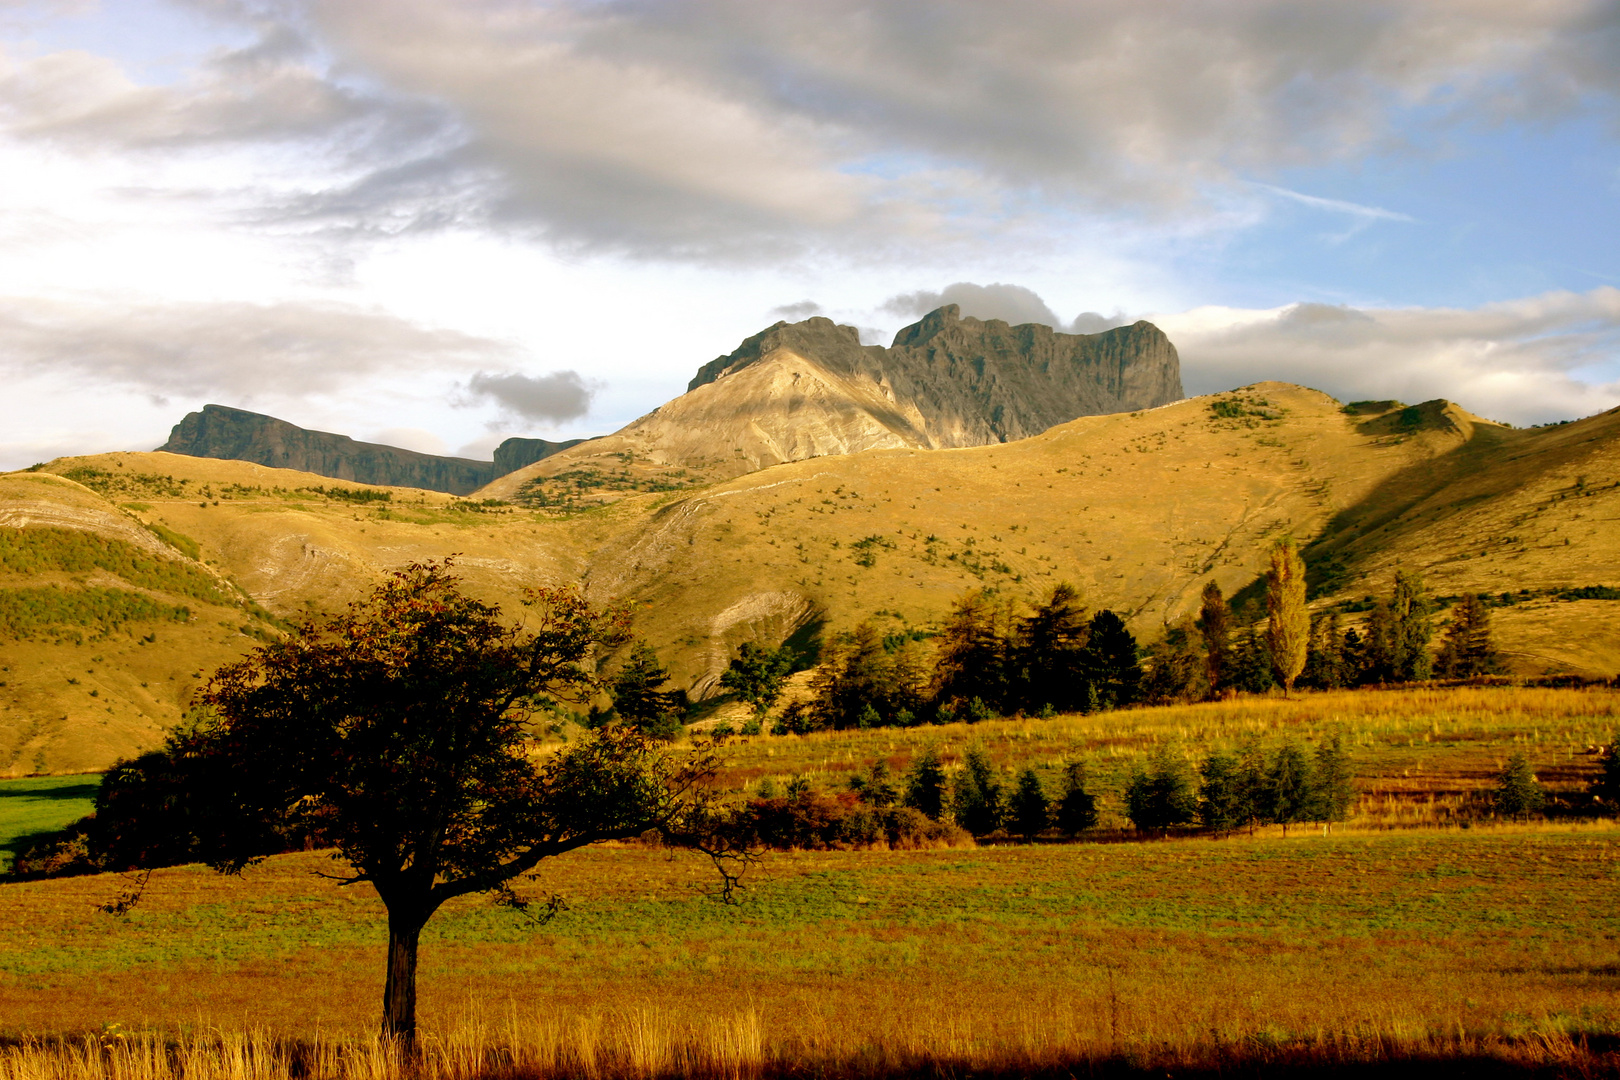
{"x": 234, "y": 350}
{"x": 423, "y": 442}
{"x": 1010, "y": 303}
{"x": 1524, "y": 361}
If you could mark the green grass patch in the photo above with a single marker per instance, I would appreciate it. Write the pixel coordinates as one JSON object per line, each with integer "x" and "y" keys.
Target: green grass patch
{"x": 41, "y": 804}
{"x": 25, "y": 613}
{"x": 73, "y": 551}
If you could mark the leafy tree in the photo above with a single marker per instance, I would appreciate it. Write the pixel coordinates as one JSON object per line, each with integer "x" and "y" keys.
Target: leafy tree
{"x": 1518, "y": 795}
{"x": 1290, "y": 787}
{"x": 1468, "y": 649}
{"x": 1410, "y": 628}
{"x": 639, "y": 697}
{"x": 925, "y": 784}
{"x": 1288, "y": 626}
{"x": 1049, "y": 653}
{"x": 1031, "y": 809}
{"x": 1112, "y": 660}
{"x": 401, "y": 728}
{"x": 1162, "y": 795}
{"x": 1222, "y": 800}
{"x": 757, "y": 675}
{"x": 1335, "y": 781}
{"x": 1076, "y": 809}
{"x": 1215, "y": 624}
{"x": 976, "y": 798}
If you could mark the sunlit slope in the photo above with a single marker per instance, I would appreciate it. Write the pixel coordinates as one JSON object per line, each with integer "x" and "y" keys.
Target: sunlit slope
{"x": 1137, "y": 509}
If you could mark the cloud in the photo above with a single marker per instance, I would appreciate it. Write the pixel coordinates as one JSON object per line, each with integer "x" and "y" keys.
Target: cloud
{"x": 423, "y": 442}
{"x": 1525, "y": 361}
{"x": 804, "y": 309}
{"x": 735, "y": 131}
{"x": 1010, "y": 303}
{"x": 547, "y": 399}
{"x": 232, "y": 350}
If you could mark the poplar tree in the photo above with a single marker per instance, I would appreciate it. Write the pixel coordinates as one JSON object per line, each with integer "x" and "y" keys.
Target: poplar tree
{"x": 1410, "y": 628}
{"x": 1288, "y": 627}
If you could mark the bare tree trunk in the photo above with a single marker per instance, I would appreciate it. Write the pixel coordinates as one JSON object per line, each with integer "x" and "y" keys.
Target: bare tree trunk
{"x": 399, "y": 992}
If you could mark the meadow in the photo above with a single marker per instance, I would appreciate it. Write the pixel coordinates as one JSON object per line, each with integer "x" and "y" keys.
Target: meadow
{"x": 1403, "y": 938}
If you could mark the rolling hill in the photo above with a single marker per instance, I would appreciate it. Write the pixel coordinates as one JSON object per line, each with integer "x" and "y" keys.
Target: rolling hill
{"x": 1138, "y": 509}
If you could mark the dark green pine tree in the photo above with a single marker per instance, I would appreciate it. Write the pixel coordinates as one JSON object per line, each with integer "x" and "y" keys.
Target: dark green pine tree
{"x": 1335, "y": 781}
{"x": 1222, "y": 802}
{"x": 1112, "y": 660}
{"x": 1031, "y": 809}
{"x": 1518, "y": 795}
{"x": 925, "y": 784}
{"x": 1252, "y": 785}
{"x": 1076, "y": 809}
{"x": 1467, "y": 648}
{"x": 1049, "y": 653}
{"x": 639, "y": 697}
{"x": 1162, "y": 795}
{"x": 1290, "y": 787}
{"x": 1325, "y": 663}
{"x": 1251, "y": 663}
{"x": 976, "y": 798}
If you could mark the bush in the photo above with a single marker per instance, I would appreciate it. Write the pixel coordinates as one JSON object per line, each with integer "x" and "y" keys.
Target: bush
{"x": 815, "y": 822}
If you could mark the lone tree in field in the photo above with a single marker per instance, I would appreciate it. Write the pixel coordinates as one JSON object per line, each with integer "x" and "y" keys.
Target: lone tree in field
{"x": 1288, "y": 630}
{"x": 1518, "y": 795}
{"x": 400, "y": 729}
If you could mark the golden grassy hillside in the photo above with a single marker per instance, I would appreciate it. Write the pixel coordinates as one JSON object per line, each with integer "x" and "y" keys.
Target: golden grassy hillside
{"x": 1138, "y": 510}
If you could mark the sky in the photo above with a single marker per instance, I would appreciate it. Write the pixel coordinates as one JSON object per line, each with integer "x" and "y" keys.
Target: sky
{"x": 440, "y": 223}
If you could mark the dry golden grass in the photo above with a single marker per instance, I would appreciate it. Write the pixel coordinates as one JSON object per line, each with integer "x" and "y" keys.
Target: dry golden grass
{"x": 1498, "y": 944}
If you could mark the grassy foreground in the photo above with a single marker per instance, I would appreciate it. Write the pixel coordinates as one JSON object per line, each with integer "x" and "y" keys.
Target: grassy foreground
{"x": 1376, "y": 947}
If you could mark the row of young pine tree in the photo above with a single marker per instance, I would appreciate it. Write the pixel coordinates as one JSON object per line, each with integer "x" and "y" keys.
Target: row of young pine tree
{"x": 1228, "y": 792}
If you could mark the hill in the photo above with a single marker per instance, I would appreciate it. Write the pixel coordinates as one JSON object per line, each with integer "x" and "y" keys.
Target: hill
{"x": 221, "y": 432}
{"x": 811, "y": 389}
{"x": 1137, "y": 509}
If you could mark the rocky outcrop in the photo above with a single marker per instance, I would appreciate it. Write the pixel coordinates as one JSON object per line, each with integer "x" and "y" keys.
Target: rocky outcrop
{"x": 222, "y": 432}
{"x": 810, "y": 389}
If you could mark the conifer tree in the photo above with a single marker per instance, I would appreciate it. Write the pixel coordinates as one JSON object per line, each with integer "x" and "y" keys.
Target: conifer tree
{"x": 1325, "y": 662}
{"x": 1252, "y": 784}
{"x": 1049, "y": 654}
{"x": 1335, "y": 781}
{"x": 974, "y": 654}
{"x": 1176, "y": 667}
{"x": 639, "y": 697}
{"x": 1288, "y": 626}
{"x": 925, "y": 784}
{"x": 1215, "y": 624}
{"x": 1031, "y": 809}
{"x": 976, "y": 799}
{"x": 1221, "y": 803}
{"x": 1290, "y": 787}
{"x": 1518, "y": 795}
{"x": 1468, "y": 649}
{"x": 756, "y": 676}
{"x": 1076, "y": 809}
{"x": 1113, "y": 660}
{"x": 1251, "y": 664}
{"x": 1162, "y": 795}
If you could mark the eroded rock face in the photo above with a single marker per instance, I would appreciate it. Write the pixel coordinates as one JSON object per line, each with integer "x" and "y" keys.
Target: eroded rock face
{"x": 811, "y": 389}
{"x": 973, "y": 382}
{"x": 222, "y": 432}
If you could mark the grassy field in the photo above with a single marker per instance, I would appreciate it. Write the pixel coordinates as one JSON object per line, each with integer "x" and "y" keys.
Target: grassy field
{"x": 41, "y": 804}
{"x": 1496, "y": 941}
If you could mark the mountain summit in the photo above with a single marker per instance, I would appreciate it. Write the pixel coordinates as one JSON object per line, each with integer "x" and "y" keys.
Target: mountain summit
{"x": 809, "y": 389}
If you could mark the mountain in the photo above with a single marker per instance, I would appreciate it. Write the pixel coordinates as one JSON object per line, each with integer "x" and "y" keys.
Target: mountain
{"x": 810, "y": 389}
{"x": 1138, "y": 510}
{"x": 221, "y": 432}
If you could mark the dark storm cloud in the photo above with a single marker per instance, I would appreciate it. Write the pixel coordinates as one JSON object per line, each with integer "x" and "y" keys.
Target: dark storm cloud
{"x": 548, "y": 399}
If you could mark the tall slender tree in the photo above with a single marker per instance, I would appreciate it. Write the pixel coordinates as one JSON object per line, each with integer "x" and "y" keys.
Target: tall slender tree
{"x": 1215, "y": 624}
{"x": 1410, "y": 628}
{"x": 1288, "y": 626}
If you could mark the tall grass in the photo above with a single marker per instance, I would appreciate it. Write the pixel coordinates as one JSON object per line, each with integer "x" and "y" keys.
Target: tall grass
{"x": 655, "y": 1042}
